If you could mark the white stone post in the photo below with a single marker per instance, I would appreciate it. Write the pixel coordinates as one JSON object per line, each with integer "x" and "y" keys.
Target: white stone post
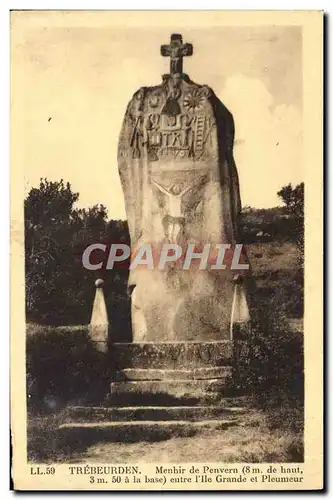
{"x": 99, "y": 323}
{"x": 239, "y": 311}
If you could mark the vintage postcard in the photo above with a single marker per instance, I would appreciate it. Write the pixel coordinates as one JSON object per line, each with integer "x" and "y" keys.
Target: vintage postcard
{"x": 166, "y": 250}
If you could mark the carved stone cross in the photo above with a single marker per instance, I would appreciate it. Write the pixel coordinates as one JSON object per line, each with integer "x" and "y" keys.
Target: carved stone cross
{"x": 176, "y": 50}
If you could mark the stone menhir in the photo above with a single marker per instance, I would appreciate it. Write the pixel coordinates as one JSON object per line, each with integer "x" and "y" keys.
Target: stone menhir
{"x": 181, "y": 187}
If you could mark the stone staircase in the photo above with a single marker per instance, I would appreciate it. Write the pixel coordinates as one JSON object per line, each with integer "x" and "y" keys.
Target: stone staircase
{"x": 162, "y": 389}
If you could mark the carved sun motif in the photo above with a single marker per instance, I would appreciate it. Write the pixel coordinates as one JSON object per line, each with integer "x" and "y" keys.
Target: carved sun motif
{"x": 194, "y": 101}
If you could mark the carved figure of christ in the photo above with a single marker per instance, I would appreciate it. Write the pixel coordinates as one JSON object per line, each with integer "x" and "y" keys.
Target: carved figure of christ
{"x": 176, "y": 216}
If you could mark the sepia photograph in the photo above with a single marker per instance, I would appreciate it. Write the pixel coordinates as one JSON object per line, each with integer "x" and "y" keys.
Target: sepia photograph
{"x": 163, "y": 330}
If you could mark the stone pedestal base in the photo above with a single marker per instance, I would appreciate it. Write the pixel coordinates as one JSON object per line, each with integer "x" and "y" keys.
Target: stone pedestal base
{"x": 165, "y": 388}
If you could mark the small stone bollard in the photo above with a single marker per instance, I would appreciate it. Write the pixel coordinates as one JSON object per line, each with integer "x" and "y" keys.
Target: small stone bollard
{"x": 99, "y": 323}
{"x": 240, "y": 314}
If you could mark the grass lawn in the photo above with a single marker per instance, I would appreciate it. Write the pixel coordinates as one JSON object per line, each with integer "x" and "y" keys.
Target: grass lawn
{"x": 271, "y": 435}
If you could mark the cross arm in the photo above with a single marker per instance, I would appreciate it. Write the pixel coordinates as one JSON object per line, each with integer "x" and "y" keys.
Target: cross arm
{"x": 186, "y": 49}
{"x": 165, "y": 50}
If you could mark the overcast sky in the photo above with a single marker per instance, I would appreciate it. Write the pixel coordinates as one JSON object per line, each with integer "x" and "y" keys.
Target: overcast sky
{"x": 71, "y": 83}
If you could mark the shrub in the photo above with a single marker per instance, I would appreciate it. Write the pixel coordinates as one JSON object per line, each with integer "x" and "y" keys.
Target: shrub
{"x": 272, "y": 369}
{"x": 63, "y": 367}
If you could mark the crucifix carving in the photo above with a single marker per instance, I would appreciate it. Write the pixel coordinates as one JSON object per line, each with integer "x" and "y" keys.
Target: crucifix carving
{"x": 176, "y": 213}
{"x": 176, "y": 50}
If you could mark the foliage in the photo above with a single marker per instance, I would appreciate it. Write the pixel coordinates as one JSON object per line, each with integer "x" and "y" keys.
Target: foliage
{"x": 275, "y": 362}
{"x": 63, "y": 367}
{"x": 59, "y": 290}
{"x": 277, "y": 223}
{"x": 294, "y": 202}
{"x": 293, "y": 199}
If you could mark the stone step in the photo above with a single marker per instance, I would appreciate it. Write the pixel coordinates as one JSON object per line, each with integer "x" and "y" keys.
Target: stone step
{"x": 178, "y": 388}
{"x": 162, "y": 399}
{"x": 168, "y": 392}
{"x": 150, "y": 413}
{"x": 175, "y": 355}
{"x": 167, "y": 374}
{"x": 87, "y": 433}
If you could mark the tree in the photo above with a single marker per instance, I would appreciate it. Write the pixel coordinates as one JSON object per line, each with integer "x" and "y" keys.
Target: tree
{"x": 293, "y": 198}
{"x": 58, "y": 288}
